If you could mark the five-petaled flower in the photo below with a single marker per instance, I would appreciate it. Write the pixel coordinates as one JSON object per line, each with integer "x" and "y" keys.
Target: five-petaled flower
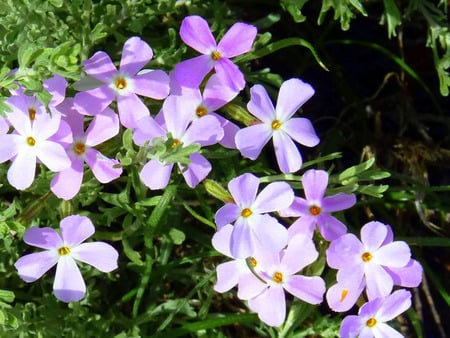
{"x": 63, "y": 250}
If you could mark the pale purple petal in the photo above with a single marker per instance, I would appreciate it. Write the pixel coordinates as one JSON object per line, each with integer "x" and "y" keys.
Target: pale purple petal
{"x": 195, "y": 33}
{"x": 378, "y": 282}
{"x": 100, "y": 255}
{"x": 229, "y": 132}
{"x": 191, "y": 72}
{"x": 260, "y": 104}
{"x": 53, "y": 156}
{"x": 249, "y": 285}
{"x": 315, "y": 183}
{"x": 330, "y": 227}
{"x": 44, "y": 238}
{"x": 409, "y": 276}
{"x": 9, "y": 146}
{"x": 344, "y": 251}
{"x": 69, "y": 284}
{"x": 197, "y": 170}
{"x": 351, "y": 326}
{"x": 22, "y": 170}
{"x": 292, "y": 95}
{"x": 66, "y": 184}
{"x": 396, "y": 254}
{"x": 299, "y": 207}
{"x": 146, "y": 130}
{"x": 385, "y": 331}
{"x": 244, "y": 189}
{"x": 76, "y": 229}
{"x": 269, "y": 232}
{"x": 275, "y": 196}
{"x": 216, "y": 94}
{"x": 288, "y": 157}
{"x": 70, "y": 115}
{"x": 308, "y": 289}
{"x": 395, "y": 304}
{"x": 100, "y": 66}
{"x": 342, "y": 297}
{"x": 373, "y": 235}
{"x": 56, "y": 86}
{"x": 104, "y": 126}
{"x": 153, "y": 84}
{"x": 221, "y": 239}
{"x": 31, "y": 267}
{"x": 136, "y": 54}
{"x": 131, "y": 110}
{"x": 156, "y": 175}
{"x": 227, "y": 276}
{"x": 227, "y": 214}
{"x": 300, "y": 252}
{"x": 270, "y": 305}
{"x": 340, "y": 201}
{"x": 46, "y": 125}
{"x": 251, "y": 140}
{"x": 93, "y": 101}
{"x": 230, "y": 74}
{"x": 304, "y": 225}
{"x": 205, "y": 131}
{"x": 237, "y": 40}
{"x": 242, "y": 240}
{"x": 178, "y": 114}
{"x": 103, "y": 168}
{"x": 302, "y": 131}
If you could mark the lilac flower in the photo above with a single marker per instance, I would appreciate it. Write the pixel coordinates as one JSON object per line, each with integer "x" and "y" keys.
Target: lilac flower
{"x": 66, "y": 184}
{"x": 373, "y": 315}
{"x": 248, "y": 212}
{"x": 63, "y": 251}
{"x": 176, "y": 117}
{"x": 278, "y": 123}
{"x": 123, "y": 84}
{"x": 315, "y": 208}
{"x": 196, "y": 33}
{"x": 370, "y": 261}
{"x": 279, "y": 271}
{"x": 31, "y": 141}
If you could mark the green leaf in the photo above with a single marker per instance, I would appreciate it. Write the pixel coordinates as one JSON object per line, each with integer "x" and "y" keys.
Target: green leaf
{"x": 177, "y": 236}
{"x": 6, "y": 296}
{"x": 393, "y": 16}
{"x": 294, "y": 7}
{"x": 355, "y": 170}
{"x": 132, "y": 255}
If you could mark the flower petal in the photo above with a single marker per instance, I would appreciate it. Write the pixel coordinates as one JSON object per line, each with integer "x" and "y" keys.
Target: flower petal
{"x": 395, "y": 304}
{"x": 103, "y": 167}
{"x": 396, "y": 254}
{"x": 100, "y": 66}
{"x": 136, "y": 54}
{"x": 341, "y": 297}
{"x": 76, "y": 229}
{"x": 156, "y": 175}
{"x": 373, "y": 235}
{"x": 237, "y": 40}
{"x": 22, "y": 170}
{"x": 270, "y": 306}
{"x": 351, "y": 326}
{"x": 221, "y": 239}
{"x": 206, "y": 131}
{"x": 379, "y": 283}
{"x": 409, "y": 276}
{"x": 227, "y": 214}
{"x": 131, "y": 110}
{"x": 269, "y": 232}
{"x": 44, "y": 238}
{"x": 230, "y": 74}
{"x": 227, "y": 275}
{"x": 302, "y": 131}
{"x": 197, "y": 170}
{"x": 153, "y": 84}
{"x": 195, "y": 33}
{"x": 66, "y": 184}
{"x": 260, "y": 104}
{"x": 292, "y": 95}
{"x": 93, "y": 101}
{"x": 315, "y": 183}
{"x": 69, "y": 284}
{"x": 31, "y": 267}
{"x": 100, "y": 255}
{"x": 275, "y": 196}
{"x": 244, "y": 189}
{"x": 340, "y": 201}
{"x": 300, "y": 252}
{"x": 8, "y": 146}
{"x": 251, "y": 140}
{"x": 146, "y": 130}
{"x": 104, "y": 126}
{"x": 304, "y": 225}
{"x": 191, "y": 72}
{"x": 288, "y": 157}
{"x": 308, "y": 289}
{"x": 53, "y": 155}
{"x": 242, "y": 240}
{"x": 330, "y": 227}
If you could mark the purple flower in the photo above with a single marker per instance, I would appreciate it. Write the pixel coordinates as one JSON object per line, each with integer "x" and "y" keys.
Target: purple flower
{"x": 370, "y": 261}
{"x": 176, "y": 118}
{"x": 373, "y": 315}
{"x": 279, "y": 271}
{"x": 123, "y": 84}
{"x": 316, "y": 207}
{"x": 31, "y": 141}
{"x": 278, "y": 123}
{"x": 63, "y": 251}
{"x": 248, "y": 212}
{"x": 195, "y": 32}
{"x": 66, "y": 184}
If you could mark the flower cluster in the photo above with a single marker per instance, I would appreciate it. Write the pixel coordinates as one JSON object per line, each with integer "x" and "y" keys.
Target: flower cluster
{"x": 269, "y": 234}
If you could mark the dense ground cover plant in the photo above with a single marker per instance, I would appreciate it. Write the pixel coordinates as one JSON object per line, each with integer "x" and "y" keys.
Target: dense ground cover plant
{"x": 287, "y": 223}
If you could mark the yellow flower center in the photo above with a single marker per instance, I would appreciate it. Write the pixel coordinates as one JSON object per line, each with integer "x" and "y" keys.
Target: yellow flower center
{"x": 253, "y": 261}
{"x": 246, "y": 212}
{"x": 276, "y": 125}
{"x": 201, "y": 111}
{"x": 120, "y": 82}
{"x": 32, "y": 113}
{"x": 315, "y": 210}
{"x": 79, "y": 148}
{"x": 277, "y": 277}
{"x": 366, "y": 256}
{"x": 64, "y": 250}
{"x": 371, "y": 322}
{"x": 31, "y": 141}
{"x": 216, "y": 56}
{"x": 343, "y": 295}
{"x": 175, "y": 143}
